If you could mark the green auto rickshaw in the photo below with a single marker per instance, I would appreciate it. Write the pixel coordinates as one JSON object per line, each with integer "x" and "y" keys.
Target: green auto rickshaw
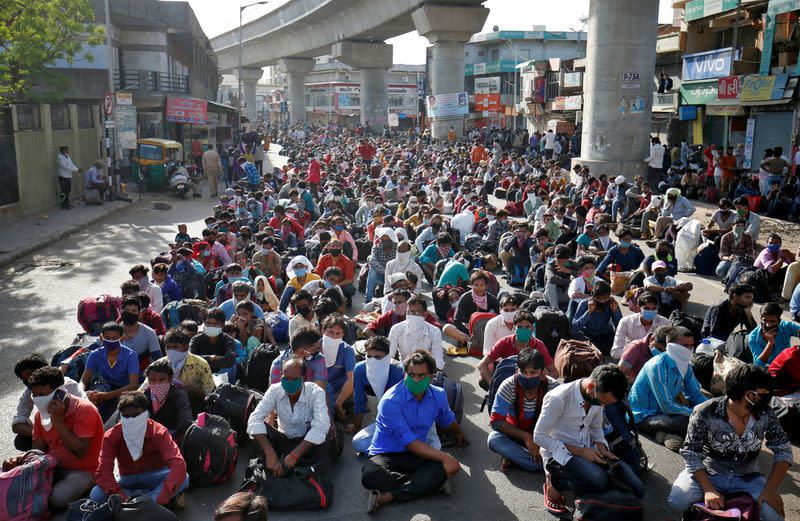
{"x": 153, "y": 160}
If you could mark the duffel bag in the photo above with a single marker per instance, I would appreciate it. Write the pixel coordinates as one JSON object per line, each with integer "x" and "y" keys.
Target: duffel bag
{"x": 302, "y": 488}
{"x": 575, "y": 359}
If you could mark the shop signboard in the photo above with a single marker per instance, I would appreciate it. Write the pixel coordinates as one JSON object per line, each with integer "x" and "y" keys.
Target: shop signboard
{"x": 699, "y": 93}
{"x": 490, "y": 102}
{"x": 729, "y": 87}
{"x": 697, "y": 9}
{"x": 394, "y": 119}
{"x": 124, "y": 98}
{"x": 763, "y": 88}
{"x": 125, "y": 128}
{"x": 573, "y": 79}
{"x": 450, "y": 105}
{"x": 488, "y": 85}
{"x": 749, "y": 136}
{"x": 706, "y": 65}
{"x": 687, "y": 112}
{"x": 573, "y": 102}
{"x": 187, "y": 110}
{"x": 775, "y": 8}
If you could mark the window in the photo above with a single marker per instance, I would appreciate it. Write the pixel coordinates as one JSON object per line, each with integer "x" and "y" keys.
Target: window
{"x": 151, "y": 152}
{"x": 28, "y": 117}
{"x": 481, "y": 53}
{"x": 86, "y": 116}
{"x": 59, "y": 117}
{"x": 495, "y": 55}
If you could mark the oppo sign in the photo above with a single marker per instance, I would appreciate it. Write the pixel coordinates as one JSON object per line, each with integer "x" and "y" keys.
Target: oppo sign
{"x": 707, "y": 65}
{"x": 489, "y": 85}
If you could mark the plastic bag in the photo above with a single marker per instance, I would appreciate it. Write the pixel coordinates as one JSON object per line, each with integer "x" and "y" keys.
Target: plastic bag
{"x": 722, "y": 366}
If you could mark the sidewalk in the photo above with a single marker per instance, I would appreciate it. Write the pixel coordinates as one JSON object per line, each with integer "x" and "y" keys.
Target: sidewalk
{"x": 34, "y": 232}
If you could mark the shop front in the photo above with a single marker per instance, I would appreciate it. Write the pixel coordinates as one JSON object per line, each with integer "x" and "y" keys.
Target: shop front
{"x": 186, "y": 119}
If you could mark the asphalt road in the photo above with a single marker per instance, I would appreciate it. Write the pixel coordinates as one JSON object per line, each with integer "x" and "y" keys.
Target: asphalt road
{"x": 39, "y": 314}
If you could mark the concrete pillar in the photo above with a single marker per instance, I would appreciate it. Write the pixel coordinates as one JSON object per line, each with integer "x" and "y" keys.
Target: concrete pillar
{"x": 296, "y": 69}
{"x": 448, "y": 28}
{"x": 374, "y": 61}
{"x": 617, "y": 103}
{"x": 249, "y": 79}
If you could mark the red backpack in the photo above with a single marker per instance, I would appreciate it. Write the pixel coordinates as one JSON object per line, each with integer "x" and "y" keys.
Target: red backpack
{"x": 93, "y": 312}
{"x": 26, "y": 488}
{"x": 477, "y": 327}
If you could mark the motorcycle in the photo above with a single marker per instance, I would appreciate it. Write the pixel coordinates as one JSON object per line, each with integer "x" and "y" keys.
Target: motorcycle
{"x": 179, "y": 181}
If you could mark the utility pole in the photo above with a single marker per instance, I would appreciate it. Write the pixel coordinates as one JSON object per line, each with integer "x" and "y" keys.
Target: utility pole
{"x": 108, "y": 132}
{"x": 734, "y": 43}
{"x": 239, "y": 69}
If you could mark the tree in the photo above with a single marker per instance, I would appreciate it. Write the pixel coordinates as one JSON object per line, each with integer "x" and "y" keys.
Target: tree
{"x": 36, "y": 33}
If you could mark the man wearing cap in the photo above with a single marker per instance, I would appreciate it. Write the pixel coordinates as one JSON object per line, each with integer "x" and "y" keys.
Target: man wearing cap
{"x": 672, "y": 293}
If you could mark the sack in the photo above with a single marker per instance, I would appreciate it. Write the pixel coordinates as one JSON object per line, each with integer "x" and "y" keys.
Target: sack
{"x": 552, "y": 325}
{"x": 686, "y": 242}
{"x": 210, "y": 451}
{"x": 706, "y": 261}
{"x": 278, "y": 322}
{"x": 258, "y": 366}
{"x": 26, "y": 488}
{"x": 477, "y": 326}
{"x": 576, "y": 359}
{"x": 693, "y": 324}
{"x": 233, "y": 403}
{"x": 759, "y": 279}
{"x": 609, "y": 505}
{"x": 141, "y": 507}
{"x": 490, "y": 262}
{"x": 191, "y": 282}
{"x": 93, "y": 312}
{"x": 703, "y": 369}
{"x": 364, "y": 247}
{"x": 619, "y": 281}
{"x": 738, "y": 506}
{"x": 506, "y": 368}
{"x": 738, "y": 346}
{"x": 303, "y": 488}
{"x": 455, "y": 399}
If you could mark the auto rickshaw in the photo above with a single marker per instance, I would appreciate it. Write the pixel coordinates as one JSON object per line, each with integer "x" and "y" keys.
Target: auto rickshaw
{"x": 153, "y": 160}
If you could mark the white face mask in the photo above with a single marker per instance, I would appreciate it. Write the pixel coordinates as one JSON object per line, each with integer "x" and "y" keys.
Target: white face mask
{"x": 133, "y": 431}
{"x": 680, "y": 355}
{"x": 508, "y": 316}
{"x": 213, "y": 331}
{"x": 403, "y": 257}
{"x": 378, "y": 374}
{"x": 415, "y": 322}
{"x": 177, "y": 359}
{"x": 330, "y": 348}
{"x": 41, "y": 403}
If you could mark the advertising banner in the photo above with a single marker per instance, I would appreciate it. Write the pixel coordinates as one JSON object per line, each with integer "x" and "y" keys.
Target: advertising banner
{"x": 748, "y": 143}
{"x": 699, "y": 93}
{"x": 488, "y": 85}
{"x": 490, "y": 102}
{"x": 187, "y": 110}
{"x": 573, "y": 79}
{"x": 729, "y": 87}
{"x": 763, "y": 88}
{"x": 125, "y": 128}
{"x": 697, "y": 9}
{"x": 706, "y": 65}
{"x": 451, "y": 105}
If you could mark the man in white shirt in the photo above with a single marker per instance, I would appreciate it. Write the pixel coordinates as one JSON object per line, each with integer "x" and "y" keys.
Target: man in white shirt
{"x": 415, "y": 333}
{"x": 463, "y": 222}
{"x": 502, "y": 325}
{"x": 65, "y": 170}
{"x": 655, "y": 162}
{"x": 570, "y": 434}
{"x": 303, "y": 421}
{"x": 638, "y": 325}
{"x": 549, "y": 144}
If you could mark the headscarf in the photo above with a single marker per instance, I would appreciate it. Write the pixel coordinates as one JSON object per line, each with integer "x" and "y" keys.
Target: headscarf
{"x": 299, "y": 259}
{"x": 269, "y": 296}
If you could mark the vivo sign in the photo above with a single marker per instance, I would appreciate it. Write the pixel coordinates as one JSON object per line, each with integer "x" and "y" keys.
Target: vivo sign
{"x": 707, "y": 65}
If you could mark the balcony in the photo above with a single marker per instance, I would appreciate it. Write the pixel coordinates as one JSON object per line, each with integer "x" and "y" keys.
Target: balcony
{"x": 150, "y": 82}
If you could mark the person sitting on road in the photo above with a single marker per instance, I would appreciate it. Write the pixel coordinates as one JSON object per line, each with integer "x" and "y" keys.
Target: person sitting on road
{"x": 111, "y": 370}
{"x": 603, "y": 243}
{"x": 772, "y": 336}
{"x": 300, "y": 272}
{"x": 637, "y": 352}
{"x": 140, "y": 338}
{"x": 384, "y": 251}
{"x": 169, "y": 402}
{"x": 340, "y": 359}
{"x": 477, "y": 300}
{"x": 737, "y": 310}
{"x": 303, "y": 433}
{"x": 515, "y": 410}
{"x": 170, "y": 291}
{"x": 435, "y": 252}
{"x": 139, "y": 274}
{"x": 673, "y": 294}
{"x": 416, "y": 333}
{"x": 241, "y": 291}
{"x": 752, "y": 219}
{"x": 402, "y": 264}
{"x": 674, "y": 208}
{"x": 503, "y": 324}
{"x": 305, "y": 344}
{"x": 723, "y": 444}
{"x": 638, "y": 325}
{"x": 625, "y": 256}
{"x": 722, "y": 220}
{"x": 224, "y": 288}
{"x": 251, "y": 330}
{"x": 67, "y": 427}
{"x": 242, "y": 506}
{"x": 373, "y": 376}
{"x": 581, "y": 286}
{"x": 146, "y": 456}
{"x": 666, "y": 390}
{"x": 402, "y": 465}
{"x": 214, "y": 346}
{"x": 21, "y": 424}
{"x": 191, "y": 370}
{"x": 570, "y": 432}
{"x": 557, "y": 278}
{"x": 735, "y": 246}
{"x": 597, "y": 318}
{"x": 517, "y": 258}
{"x": 774, "y": 260}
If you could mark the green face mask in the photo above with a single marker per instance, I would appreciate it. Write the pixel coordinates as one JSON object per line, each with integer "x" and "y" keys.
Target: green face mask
{"x": 523, "y": 334}
{"x": 415, "y": 387}
{"x": 291, "y": 386}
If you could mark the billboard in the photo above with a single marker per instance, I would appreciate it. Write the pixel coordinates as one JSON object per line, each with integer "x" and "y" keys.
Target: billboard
{"x": 451, "y": 105}
{"x": 187, "y": 110}
{"x": 490, "y": 102}
{"x": 488, "y": 85}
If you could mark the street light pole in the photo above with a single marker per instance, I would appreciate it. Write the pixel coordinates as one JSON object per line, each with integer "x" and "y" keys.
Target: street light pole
{"x": 239, "y": 69}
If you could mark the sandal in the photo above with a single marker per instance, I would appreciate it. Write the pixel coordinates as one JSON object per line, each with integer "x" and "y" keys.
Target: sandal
{"x": 554, "y": 507}
{"x": 372, "y": 502}
{"x": 505, "y": 465}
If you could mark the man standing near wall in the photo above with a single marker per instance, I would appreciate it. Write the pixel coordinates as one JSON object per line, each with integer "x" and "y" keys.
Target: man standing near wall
{"x": 65, "y": 170}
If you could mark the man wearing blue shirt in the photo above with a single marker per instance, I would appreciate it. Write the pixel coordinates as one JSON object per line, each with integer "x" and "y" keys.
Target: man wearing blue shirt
{"x": 596, "y": 318}
{"x": 665, "y": 391}
{"x": 402, "y": 466}
{"x": 625, "y": 256}
{"x": 772, "y": 336}
{"x": 241, "y": 290}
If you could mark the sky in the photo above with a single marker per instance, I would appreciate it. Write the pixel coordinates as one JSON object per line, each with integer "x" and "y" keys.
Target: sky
{"x": 508, "y": 15}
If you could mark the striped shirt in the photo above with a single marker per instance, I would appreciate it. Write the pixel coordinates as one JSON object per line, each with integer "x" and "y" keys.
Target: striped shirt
{"x": 503, "y": 408}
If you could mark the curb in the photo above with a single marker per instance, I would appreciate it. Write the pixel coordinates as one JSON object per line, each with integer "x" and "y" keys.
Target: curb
{"x": 9, "y": 258}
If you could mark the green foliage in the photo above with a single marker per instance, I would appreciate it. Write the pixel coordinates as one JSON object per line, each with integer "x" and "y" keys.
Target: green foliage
{"x": 36, "y": 33}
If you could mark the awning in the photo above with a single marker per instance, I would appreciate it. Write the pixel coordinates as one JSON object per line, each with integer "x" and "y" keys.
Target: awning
{"x": 781, "y": 101}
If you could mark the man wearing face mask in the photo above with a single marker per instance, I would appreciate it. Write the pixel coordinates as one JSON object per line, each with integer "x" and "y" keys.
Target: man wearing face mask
{"x": 515, "y": 410}
{"x": 303, "y": 315}
{"x": 306, "y": 345}
{"x": 402, "y": 465}
{"x": 666, "y": 390}
{"x": 146, "y": 456}
{"x": 428, "y": 232}
{"x": 603, "y": 243}
{"x": 340, "y": 359}
{"x": 111, "y": 370}
{"x": 191, "y": 370}
{"x": 214, "y": 346}
{"x": 139, "y": 274}
{"x": 502, "y": 325}
{"x": 416, "y": 333}
{"x": 721, "y": 221}
{"x": 723, "y": 444}
{"x": 597, "y": 318}
{"x": 241, "y": 291}
{"x": 639, "y": 351}
{"x": 68, "y": 428}
{"x": 302, "y": 435}
{"x": 773, "y": 336}
{"x": 402, "y": 263}
{"x": 268, "y": 258}
{"x": 638, "y": 325}
{"x": 752, "y": 219}
{"x": 672, "y": 293}
{"x": 334, "y": 258}
{"x": 345, "y": 238}
{"x": 722, "y": 319}
{"x": 774, "y": 260}
{"x": 735, "y": 246}
{"x": 142, "y": 339}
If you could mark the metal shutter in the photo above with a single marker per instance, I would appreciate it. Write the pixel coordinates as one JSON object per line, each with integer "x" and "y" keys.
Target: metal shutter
{"x": 773, "y": 129}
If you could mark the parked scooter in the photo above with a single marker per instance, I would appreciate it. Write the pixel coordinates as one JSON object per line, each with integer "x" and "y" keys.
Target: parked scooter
{"x": 179, "y": 180}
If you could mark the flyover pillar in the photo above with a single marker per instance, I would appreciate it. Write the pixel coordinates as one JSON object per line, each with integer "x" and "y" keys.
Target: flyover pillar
{"x": 374, "y": 61}
{"x": 296, "y": 70}
{"x": 619, "y": 84}
{"x": 249, "y": 79}
{"x": 448, "y": 28}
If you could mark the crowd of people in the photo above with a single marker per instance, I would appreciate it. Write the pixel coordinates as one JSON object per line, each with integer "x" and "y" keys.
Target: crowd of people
{"x": 424, "y": 229}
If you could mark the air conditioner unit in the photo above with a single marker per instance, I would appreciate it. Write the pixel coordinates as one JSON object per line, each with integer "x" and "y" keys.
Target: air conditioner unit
{"x": 405, "y": 79}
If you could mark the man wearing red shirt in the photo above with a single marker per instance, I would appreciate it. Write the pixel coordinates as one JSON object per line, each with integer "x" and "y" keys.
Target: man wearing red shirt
{"x": 382, "y": 324}
{"x": 335, "y": 258}
{"x": 277, "y": 221}
{"x": 148, "y": 459}
{"x": 367, "y": 152}
{"x": 785, "y": 371}
{"x": 314, "y": 174}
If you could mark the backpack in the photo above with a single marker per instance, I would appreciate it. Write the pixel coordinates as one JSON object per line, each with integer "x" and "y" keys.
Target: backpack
{"x": 503, "y": 370}
{"x": 608, "y": 505}
{"x": 93, "y": 312}
{"x": 706, "y": 261}
{"x": 210, "y": 281}
{"x": 191, "y": 282}
{"x": 364, "y": 247}
{"x": 177, "y": 311}
{"x": 26, "y": 488}
{"x": 618, "y": 446}
{"x": 552, "y": 325}
{"x": 738, "y": 346}
{"x": 278, "y": 322}
{"x": 455, "y": 399}
{"x": 703, "y": 369}
{"x": 258, "y": 366}
{"x": 210, "y": 451}
{"x": 734, "y": 273}
{"x": 575, "y": 359}
{"x": 233, "y": 403}
{"x": 477, "y": 327}
{"x": 760, "y": 281}
{"x": 693, "y": 324}
{"x": 739, "y": 506}
{"x": 535, "y": 301}
{"x": 142, "y": 506}
{"x": 304, "y": 488}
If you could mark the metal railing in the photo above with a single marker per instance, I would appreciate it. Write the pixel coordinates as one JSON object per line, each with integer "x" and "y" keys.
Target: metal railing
{"x": 142, "y": 80}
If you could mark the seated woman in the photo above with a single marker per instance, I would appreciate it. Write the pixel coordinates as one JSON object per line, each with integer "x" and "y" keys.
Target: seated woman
{"x": 265, "y": 297}
{"x": 473, "y": 301}
{"x": 300, "y": 272}
{"x": 169, "y": 403}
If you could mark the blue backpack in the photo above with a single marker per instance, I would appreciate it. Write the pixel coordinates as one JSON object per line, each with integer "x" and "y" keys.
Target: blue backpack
{"x": 503, "y": 370}
{"x": 278, "y": 321}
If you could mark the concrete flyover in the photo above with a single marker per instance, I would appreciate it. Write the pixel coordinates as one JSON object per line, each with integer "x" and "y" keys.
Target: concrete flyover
{"x": 354, "y": 30}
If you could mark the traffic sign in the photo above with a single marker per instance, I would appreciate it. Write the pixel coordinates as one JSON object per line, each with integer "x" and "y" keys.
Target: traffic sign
{"x": 108, "y": 105}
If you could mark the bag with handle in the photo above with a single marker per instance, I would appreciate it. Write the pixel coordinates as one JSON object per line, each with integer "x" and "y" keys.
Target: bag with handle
{"x": 93, "y": 312}
{"x": 140, "y": 507}
{"x": 738, "y": 507}
{"x": 88, "y": 510}
{"x": 552, "y": 325}
{"x": 608, "y": 505}
{"x": 233, "y": 403}
{"x": 455, "y": 398}
{"x": 258, "y": 367}
{"x": 477, "y": 327}
{"x": 302, "y": 488}
{"x": 575, "y": 359}
{"x": 210, "y": 450}
{"x": 25, "y": 489}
